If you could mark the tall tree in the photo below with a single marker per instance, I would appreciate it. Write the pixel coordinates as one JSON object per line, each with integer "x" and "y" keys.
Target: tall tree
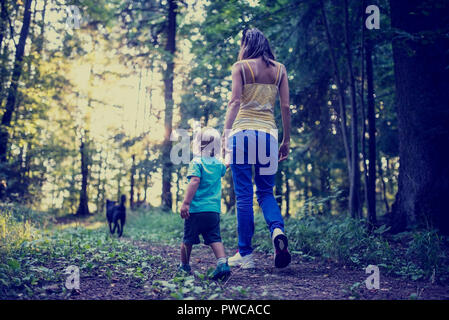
{"x": 170, "y": 50}
{"x": 366, "y": 53}
{"x": 13, "y": 88}
{"x": 3, "y": 21}
{"x": 4, "y": 17}
{"x": 421, "y": 66}
{"x": 354, "y": 197}
{"x": 371, "y": 116}
{"x": 350, "y": 145}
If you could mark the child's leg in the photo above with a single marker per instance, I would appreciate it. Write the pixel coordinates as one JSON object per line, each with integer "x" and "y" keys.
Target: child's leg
{"x": 218, "y": 249}
{"x": 222, "y": 271}
{"x": 186, "y": 249}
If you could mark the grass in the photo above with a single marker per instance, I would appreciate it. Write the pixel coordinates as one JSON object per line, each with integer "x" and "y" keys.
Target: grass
{"x": 154, "y": 226}
{"x": 32, "y": 260}
{"x": 343, "y": 240}
{"x": 42, "y": 261}
{"x": 18, "y": 224}
{"x": 34, "y": 254}
{"x": 419, "y": 255}
{"x": 33, "y": 264}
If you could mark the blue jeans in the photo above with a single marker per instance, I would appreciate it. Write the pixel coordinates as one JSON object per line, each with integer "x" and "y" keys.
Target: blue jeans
{"x": 265, "y": 144}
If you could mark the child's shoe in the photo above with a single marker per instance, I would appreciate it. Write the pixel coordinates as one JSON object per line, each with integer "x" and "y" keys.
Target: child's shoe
{"x": 245, "y": 262}
{"x": 222, "y": 272}
{"x": 282, "y": 257}
{"x": 184, "y": 268}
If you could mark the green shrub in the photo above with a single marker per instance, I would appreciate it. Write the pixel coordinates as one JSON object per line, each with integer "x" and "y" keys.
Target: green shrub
{"x": 426, "y": 249}
{"x": 17, "y": 224}
{"x": 349, "y": 241}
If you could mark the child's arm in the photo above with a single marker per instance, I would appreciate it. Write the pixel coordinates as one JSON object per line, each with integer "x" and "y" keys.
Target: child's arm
{"x": 190, "y": 193}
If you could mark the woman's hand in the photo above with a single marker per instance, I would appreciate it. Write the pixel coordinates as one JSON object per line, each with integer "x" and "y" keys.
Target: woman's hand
{"x": 185, "y": 210}
{"x": 225, "y": 150}
{"x": 284, "y": 150}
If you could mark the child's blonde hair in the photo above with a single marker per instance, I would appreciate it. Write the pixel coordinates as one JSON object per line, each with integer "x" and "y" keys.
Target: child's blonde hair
{"x": 207, "y": 142}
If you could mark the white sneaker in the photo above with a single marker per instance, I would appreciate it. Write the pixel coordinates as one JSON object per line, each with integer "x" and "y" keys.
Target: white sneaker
{"x": 246, "y": 262}
{"x": 282, "y": 257}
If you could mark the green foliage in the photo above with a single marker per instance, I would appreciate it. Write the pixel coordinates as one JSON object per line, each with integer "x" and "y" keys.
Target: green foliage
{"x": 43, "y": 155}
{"x": 13, "y": 231}
{"x": 155, "y": 226}
{"x": 353, "y": 291}
{"x": 427, "y": 248}
{"x": 32, "y": 262}
{"x": 348, "y": 241}
{"x": 36, "y": 260}
{"x": 196, "y": 286}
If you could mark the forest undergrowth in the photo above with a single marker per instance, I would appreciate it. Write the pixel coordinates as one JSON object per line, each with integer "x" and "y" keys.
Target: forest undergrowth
{"x": 35, "y": 251}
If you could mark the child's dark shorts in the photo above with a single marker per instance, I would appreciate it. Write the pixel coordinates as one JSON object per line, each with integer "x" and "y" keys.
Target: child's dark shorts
{"x": 205, "y": 223}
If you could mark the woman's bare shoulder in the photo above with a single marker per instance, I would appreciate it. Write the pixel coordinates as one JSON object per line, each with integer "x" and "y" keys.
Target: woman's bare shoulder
{"x": 278, "y": 64}
{"x": 282, "y": 67}
{"x": 238, "y": 63}
{"x": 241, "y": 61}
{"x": 237, "y": 67}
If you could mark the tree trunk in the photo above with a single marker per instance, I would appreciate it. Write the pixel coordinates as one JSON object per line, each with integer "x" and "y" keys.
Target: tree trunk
{"x": 139, "y": 185}
{"x": 384, "y": 187}
{"x": 354, "y": 188}
{"x": 119, "y": 184}
{"x": 83, "y": 208}
{"x": 145, "y": 182}
{"x": 178, "y": 188}
{"x": 3, "y": 22}
{"x": 324, "y": 188}
{"x": 133, "y": 173}
{"x": 287, "y": 191}
{"x": 371, "y": 185}
{"x": 170, "y": 49}
{"x": 3, "y": 48}
{"x": 422, "y": 93}
{"x": 98, "y": 200}
{"x": 306, "y": 191}
{"x": 341, "y": 91}
{"x": 40, "y": 44}
{"x": 362, "y": 105}
{"x": 103, "y": 184}
{"x": 13, "y": 88}
{"x": 341, "y": 100}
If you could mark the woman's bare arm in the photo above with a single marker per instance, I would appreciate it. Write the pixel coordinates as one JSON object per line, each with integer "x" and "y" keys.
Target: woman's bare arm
{"x": 234, "y": 104}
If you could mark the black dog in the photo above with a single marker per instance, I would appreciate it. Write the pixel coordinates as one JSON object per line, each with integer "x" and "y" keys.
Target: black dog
{"x": 116, "y": 215}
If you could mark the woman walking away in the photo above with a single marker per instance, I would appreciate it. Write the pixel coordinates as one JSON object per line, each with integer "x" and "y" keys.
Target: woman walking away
{"x": 251, "y": 140}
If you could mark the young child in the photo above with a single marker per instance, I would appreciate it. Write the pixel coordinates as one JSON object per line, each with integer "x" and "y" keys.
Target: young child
{"x": 202, "y": 203}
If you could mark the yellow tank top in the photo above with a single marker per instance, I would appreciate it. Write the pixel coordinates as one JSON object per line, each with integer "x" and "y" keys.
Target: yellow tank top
{"x": 257, "y": 104}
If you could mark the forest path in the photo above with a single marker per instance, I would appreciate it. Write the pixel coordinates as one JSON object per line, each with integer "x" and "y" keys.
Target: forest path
{"x": 303, "y": 279}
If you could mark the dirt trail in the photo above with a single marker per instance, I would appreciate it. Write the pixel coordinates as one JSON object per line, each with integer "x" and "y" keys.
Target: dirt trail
{"x": 302, "y": 280}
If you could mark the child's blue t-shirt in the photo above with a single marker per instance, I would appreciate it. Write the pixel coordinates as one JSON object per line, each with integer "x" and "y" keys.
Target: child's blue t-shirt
{"x": 208, "y": 195}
